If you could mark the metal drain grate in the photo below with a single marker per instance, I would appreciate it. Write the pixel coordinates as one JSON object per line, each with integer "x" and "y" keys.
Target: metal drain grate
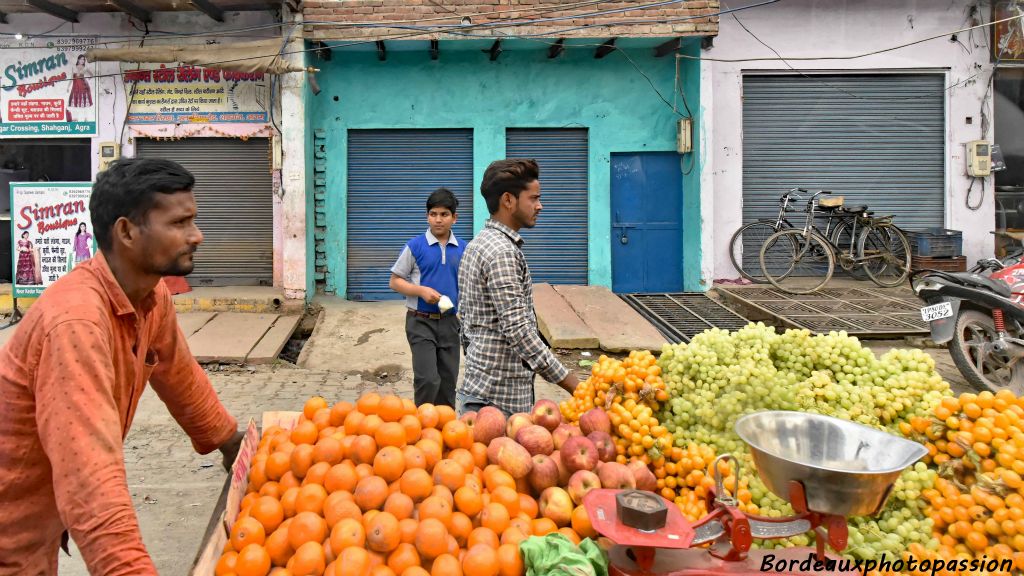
{"x": 682, "y": 316}
{"x": 858, "y": 311}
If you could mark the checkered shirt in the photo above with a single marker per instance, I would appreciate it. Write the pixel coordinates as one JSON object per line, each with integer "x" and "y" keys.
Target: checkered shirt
{"x": 499, "y": 327}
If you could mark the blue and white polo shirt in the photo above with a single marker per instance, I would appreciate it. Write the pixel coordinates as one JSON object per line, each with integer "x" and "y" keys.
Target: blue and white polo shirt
{"x": 426, "y": 262}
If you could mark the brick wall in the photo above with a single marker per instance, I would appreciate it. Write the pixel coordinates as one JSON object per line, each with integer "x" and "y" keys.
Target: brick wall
{"x": 667, "y": 20}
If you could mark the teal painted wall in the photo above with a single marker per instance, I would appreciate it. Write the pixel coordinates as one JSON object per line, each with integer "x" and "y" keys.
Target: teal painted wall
{"x": 522, "y": 89}
{"x": 689, "y": 73}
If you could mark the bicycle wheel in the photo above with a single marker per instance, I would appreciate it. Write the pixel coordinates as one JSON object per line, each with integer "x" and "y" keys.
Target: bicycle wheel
{"x": 745, "y": 247}
{"x": 842, "y": 239}
{"x": 885, "y": 254}
{"x": 797, "y": 262}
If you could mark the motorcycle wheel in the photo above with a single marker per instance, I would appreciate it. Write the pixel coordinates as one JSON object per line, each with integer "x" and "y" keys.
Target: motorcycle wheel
{"x": 971, "y": 349}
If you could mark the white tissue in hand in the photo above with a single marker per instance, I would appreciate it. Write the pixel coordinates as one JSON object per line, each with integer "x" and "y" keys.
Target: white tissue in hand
{"x": 445, "y": 304}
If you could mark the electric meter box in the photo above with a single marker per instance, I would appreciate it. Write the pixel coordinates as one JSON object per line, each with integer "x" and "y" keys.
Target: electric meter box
{"x": 979, "y": 158}
{"x": 109, "y": 151}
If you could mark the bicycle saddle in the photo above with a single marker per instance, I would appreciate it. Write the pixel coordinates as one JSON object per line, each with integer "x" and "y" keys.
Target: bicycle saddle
{"x": 833, "y": 202}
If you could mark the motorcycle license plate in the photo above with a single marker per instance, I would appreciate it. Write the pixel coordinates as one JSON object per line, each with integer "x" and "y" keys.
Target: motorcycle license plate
{"x": 937, "y": 311}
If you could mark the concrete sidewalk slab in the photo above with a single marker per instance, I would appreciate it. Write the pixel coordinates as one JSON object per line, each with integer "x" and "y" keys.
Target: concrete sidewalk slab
{"x": 618, "y": 327}
{"x": 558, "y": 322}
{"x": 230, "y": 337}
{"x": 360, "y": 337}
{"x": 192, "y": 322}
{"x": 273, "y": 341}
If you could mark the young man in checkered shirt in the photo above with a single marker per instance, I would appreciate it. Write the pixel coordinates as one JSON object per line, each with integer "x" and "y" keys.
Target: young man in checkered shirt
{"x": 503, "y": 347}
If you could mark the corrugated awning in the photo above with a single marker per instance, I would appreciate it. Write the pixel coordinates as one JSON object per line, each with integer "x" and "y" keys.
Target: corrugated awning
{"x": 261, "y": 56}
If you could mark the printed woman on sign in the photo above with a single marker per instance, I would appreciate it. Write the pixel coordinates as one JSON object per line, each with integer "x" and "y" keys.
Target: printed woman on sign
{"x": 29, "y": 271}
{"x": 80, "y": 94}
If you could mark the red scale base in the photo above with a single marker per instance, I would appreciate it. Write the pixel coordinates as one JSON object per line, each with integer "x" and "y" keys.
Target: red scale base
{"x": 700, "y": 562}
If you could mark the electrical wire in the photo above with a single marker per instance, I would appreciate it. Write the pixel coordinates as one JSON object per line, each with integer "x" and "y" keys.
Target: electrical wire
{"x": 817, "y": 79}
{"x": 855, "y": 56}
{"x": 406, "y": 36}
{"x": 135, "y": 88}
{"x": 543, "y": 9}
{"x": 409, "y": 35}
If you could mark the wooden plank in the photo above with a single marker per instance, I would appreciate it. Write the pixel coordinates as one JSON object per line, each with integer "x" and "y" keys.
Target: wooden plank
{"x": 230, "y": 337}
{"x": 273, "y": 341}
{"x": 192, "y": 322}
{"x": 558, "y": 322}
{"x": 618, "y": 327}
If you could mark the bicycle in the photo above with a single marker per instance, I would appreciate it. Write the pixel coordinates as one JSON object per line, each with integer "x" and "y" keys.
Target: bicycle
{"x": 745, "y": 244}
{"x": 790, "y": 256}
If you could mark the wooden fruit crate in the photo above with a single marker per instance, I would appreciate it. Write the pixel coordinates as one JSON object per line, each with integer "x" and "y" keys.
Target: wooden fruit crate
{"x": 954, "y": 264}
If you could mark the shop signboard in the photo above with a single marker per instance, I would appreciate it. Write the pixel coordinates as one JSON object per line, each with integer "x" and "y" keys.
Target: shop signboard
{"x": 1008, "y": 36}
{"x": 170, "y": 94}
{"x": 47, "y": 88}
{"x": 51, "y": 233}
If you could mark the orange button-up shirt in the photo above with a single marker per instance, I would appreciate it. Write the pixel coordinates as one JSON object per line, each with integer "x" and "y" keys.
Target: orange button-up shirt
{"x": 70, "y": 380}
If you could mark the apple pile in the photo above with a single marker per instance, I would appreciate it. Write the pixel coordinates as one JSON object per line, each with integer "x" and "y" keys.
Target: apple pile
{"x": 556, "y": 461}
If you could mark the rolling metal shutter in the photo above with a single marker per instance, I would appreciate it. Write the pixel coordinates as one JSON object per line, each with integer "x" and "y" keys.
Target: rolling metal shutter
{"x": 234, "y": 193}
{"x": 390, "y": 175}
{"x": 556, "y": 249}
{"x": 876, "y": 139}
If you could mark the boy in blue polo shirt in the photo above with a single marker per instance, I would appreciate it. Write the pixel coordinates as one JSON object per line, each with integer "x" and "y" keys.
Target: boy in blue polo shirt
{"x": 426, "y": 273}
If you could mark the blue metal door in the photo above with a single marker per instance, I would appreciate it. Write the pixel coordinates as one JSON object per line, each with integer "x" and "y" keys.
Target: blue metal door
{"x": 390, "y": 175}
{"x": 647, "y": 223}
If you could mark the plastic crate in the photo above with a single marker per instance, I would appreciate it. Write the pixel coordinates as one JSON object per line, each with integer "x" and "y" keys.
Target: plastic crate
{"x": 935, "y": 242}
{"x": 955, "y": 264}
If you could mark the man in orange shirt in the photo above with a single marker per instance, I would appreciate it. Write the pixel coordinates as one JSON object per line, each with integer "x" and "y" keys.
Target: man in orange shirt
{"x": 72, "y": 376}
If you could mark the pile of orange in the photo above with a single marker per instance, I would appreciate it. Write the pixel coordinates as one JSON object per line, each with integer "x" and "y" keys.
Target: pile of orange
{"x": 615, "y": 381}
{"x": 977, "y": 503}
{"x": 382, "y": 488}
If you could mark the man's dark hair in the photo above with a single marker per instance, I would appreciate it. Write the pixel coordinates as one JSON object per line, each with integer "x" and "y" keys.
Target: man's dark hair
{"x": 512, "y": 175}
{"x": 443, "y": 198}
{"x": 128, "y": 188}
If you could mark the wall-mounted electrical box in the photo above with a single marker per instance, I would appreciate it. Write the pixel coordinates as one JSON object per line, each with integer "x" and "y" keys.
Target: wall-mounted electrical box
{"x": 684, "y": 135}
{"x": 109, "y": 151}
{"x": 979, "y": 158}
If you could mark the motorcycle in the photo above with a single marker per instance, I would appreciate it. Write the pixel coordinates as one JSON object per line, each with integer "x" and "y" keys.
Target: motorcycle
{"x": 979, "y": 315}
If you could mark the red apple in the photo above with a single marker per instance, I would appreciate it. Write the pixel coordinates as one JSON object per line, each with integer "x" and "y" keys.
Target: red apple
{"x": 556, "y": 504}
{"x": 546, "y": 414}
{"x": 490, "y": 423}
{"x": 563, "y": 472}
{"x": 642, "y": 475}
{"x": 544, "y": 473}
{"x": 515, "y": 460}
{"x": 605, "y": 445}
{"x": 581, "y": 482}
{"x": 615, "y": 475}
{"x": 563, "y": 433}
{"x": 579, "y": 453}
{"x": 536, "y": 439}
{"x": 494, "y": 446}
{"x": 595, "y": 419}
{"x": 469, "y": 419}
{"x": 516, "y": 422}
